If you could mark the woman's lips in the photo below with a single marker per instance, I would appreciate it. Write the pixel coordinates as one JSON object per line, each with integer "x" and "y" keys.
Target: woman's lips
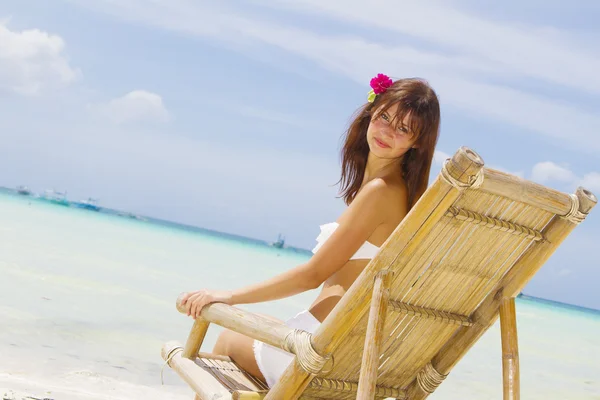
{"x": 381, "y": 144}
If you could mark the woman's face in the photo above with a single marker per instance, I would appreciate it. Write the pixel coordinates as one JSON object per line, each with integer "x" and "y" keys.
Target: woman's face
{"x": 387, "y": 140}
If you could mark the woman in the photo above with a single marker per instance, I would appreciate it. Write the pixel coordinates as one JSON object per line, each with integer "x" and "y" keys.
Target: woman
{"x": 386, "y": 161}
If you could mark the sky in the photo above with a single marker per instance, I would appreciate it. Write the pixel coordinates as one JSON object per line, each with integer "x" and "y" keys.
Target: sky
{"x": 229, "y": 115}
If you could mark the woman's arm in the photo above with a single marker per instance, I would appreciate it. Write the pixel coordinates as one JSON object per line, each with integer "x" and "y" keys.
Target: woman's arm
{"x": 356, "y": 225}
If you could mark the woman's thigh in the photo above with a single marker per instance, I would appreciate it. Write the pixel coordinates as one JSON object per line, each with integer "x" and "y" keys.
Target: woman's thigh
{"x": 240, "y": 349}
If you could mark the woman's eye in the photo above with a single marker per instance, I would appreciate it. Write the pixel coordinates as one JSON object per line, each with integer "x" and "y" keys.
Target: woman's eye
{"x": 404, "y": 131}
{"x": 385, "y": 117}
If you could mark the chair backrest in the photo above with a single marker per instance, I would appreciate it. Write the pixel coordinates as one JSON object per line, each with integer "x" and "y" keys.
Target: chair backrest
{"x": 475, "y": 237}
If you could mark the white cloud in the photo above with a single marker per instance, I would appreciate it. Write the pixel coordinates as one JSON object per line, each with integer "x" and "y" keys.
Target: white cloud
{"x": 135, "y": 106}
{"x": 591, "y": 181}
{"x": 548, "y": 171}
{"x": 539, "y": 52}
{"x": 32, "y": 61}
{"x": 463, "y": 52}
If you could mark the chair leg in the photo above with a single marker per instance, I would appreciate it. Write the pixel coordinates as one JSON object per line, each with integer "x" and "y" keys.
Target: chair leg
{"x": 367, "y": 381}
{"x": 510, "y": 350}
{"x": 195, "y": 339}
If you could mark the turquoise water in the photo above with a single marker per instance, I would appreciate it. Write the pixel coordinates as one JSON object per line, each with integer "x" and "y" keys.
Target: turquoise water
{"x": 87, "y": 300}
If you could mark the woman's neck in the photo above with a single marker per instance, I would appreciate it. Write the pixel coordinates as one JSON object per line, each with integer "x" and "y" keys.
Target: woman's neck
{"x": 381, "y": 168}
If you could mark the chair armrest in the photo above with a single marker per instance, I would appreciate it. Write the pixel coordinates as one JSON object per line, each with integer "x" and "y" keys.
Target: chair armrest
{"x": 247, "y": 323}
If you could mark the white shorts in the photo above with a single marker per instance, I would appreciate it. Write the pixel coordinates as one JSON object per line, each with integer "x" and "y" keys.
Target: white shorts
{"x": 272, "y": 361}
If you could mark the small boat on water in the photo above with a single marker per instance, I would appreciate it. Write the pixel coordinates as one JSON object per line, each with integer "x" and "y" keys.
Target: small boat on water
{"x": 131, "y": 215}
{"x": 280, "y": 243}
{"x": 56, "y": 197}
{"x": 89, "y": 204}
{"x": 24, "y": 190}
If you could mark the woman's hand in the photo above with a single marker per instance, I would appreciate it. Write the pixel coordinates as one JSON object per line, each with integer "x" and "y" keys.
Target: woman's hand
{"x": 195, "y": 301}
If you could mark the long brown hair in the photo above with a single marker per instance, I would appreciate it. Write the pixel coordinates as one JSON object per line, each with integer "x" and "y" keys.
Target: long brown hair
{"x": 416, "y": 99}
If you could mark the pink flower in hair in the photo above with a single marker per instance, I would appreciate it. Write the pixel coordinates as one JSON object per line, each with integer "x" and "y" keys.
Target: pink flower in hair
{"x": 381, "y": 83}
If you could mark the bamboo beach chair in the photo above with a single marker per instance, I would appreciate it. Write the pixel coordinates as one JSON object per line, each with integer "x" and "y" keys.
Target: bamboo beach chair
{"x": 454, "y": 264}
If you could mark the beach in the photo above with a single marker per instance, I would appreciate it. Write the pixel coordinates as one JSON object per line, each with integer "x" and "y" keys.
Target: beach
{"x": 87, "y": 299}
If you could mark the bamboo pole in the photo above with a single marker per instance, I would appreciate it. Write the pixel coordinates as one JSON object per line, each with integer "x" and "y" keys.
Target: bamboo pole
{"x": 510, "y": 350}
{"x": 197, "y": 333}
{"x": 377, "y": 313}
{"x": 534, "y": 194}
{"x": 256, "y": 326}
{"x": 510, "y": 286}
{"x": 195, "y": 338}
{"x": 202, "y": 383}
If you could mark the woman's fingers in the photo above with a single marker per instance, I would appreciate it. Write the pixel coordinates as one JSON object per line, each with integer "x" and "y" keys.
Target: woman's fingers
{"x": 186, "y": 297}
{"x": 206, "y": 299}
{"x": 194, "y": 302}
{"x": 190, "y": 302}
{"x": 198, "y": 304}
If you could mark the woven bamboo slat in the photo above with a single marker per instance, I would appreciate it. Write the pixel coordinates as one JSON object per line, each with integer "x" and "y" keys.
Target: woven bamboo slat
{"x": 421, "y": 312}
{"x": 471, "y": 243}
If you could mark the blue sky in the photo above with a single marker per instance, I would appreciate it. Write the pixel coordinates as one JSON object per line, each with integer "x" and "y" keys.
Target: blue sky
{"x": 228, "y": 115}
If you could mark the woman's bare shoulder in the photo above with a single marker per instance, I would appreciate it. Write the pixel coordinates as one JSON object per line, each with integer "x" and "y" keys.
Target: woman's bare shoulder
{"x": 393, "y": 198}
{"x": 385, "y": 188}
{"x": 379, "y": 200}
{"x": 393, "y": 191}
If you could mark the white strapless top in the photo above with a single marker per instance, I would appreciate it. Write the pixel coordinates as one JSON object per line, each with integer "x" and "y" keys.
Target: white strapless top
{"x": 366, "y": 251}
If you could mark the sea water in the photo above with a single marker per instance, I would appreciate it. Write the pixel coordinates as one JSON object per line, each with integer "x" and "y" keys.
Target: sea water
{"x": 87, "y": 299}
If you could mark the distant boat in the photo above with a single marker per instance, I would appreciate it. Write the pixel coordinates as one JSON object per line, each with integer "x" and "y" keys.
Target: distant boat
{"x": 131, "y": 215}
{"x": 135, "y": 216}
{"x": 24, "y": 190}
{"x": 56, "y": 197}
{"x": 89, "y": 204}
{"x": 280, "y": 243}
